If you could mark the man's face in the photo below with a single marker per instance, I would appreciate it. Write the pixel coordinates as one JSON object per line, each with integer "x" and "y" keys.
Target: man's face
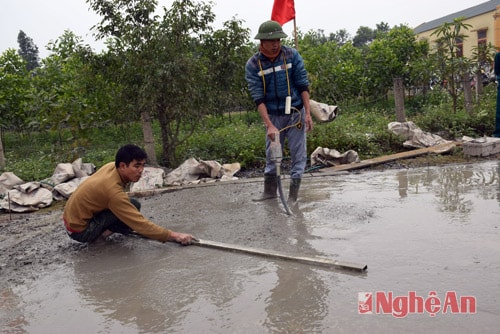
{"x": 131, "y": 172}
{"x": 271, "y": 46}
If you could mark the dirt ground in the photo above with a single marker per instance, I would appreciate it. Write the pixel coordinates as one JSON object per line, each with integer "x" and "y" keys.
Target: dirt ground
{"x": 30, "y": 241}
{"x": 34, "y": 244}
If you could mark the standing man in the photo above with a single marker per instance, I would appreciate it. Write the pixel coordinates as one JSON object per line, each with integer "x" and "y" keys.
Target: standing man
{"x": 274, "y": 74}
{"x": 496, "y": 68}
{"x": 100, "y": 206}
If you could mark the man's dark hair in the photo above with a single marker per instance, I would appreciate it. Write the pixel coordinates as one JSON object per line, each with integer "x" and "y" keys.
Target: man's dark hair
{"x": 128, "y": 153}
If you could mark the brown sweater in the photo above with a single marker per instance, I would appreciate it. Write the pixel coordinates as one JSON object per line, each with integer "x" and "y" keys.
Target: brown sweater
{"x": 106, "y": 190}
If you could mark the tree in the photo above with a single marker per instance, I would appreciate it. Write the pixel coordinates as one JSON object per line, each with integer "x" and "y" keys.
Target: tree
{"x": 336, "y": 72}
{"x": 381, "y": 67}
{"x": 340, "y": 37}
{"x": 483, "y": 56}
{"x": 381, "y": 29}
{"x": 130, "y": 25}
{"x": 402, "y": 41}
{"x": 312, "y": 38}
{"x": 28, "y": 50}
{"x": 227, "y": 51}
{"x": 365, "y": 35}
{"x": 165, "y": 70}
{"x": 453, "y": 67}
{"x": 421, "y": 69}
{"x": 15, "y": 92}
{"x": 70, "y": 93}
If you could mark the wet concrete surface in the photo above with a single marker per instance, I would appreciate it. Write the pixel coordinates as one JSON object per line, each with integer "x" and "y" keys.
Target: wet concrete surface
{"x": 430, "y": 237}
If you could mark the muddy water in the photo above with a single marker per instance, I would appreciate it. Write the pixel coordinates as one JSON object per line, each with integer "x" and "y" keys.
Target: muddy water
{"x": 429, "y": 232}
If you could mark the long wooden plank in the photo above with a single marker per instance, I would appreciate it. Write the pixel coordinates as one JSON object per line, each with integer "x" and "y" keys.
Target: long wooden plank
{"x": 279, "y": 255}
{"x": 391, "y": 157}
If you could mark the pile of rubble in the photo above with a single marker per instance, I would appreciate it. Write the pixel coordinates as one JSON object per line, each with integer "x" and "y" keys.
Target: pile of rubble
{"x": 17, "y": 195}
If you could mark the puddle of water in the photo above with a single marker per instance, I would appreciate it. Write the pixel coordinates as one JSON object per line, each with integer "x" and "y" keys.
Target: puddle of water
{"x": 422, "y": 230}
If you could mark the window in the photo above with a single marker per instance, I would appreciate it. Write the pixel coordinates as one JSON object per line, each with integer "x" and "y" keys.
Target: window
{"x": 481, "y": 37}
{"x": 482, "y": 44}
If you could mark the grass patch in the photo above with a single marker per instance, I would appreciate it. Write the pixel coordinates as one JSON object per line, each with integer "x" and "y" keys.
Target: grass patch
{"x": 240, "y": 137}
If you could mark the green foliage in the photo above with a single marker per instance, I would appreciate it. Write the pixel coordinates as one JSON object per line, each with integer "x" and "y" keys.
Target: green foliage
{"x": 70, "y": 94}
{"x": 28, "y": 51}
{"x": 382, "y": 67}
{"x": 227, "y": 51}
{"x": 364, "y": 36}
{"x": 364, "y": 131}
{"x": 34, "y": 157}
{"x": 451, "y": 125}
{"x": 341, "y": 73}
{"x": 241, "y": 138}
{"x": 421, "y": 102}
{"x": 237, "y": 141}
{"x": 452, "y": 66}
{"x": 172, "y": 67}
{"x": 31, "y": 168}
{"x": 15, "y": 91}
{"x": 332, "y": 70}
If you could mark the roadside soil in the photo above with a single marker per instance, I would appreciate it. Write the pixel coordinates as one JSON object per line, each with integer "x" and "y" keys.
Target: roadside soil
{"x": 30, "y": 242}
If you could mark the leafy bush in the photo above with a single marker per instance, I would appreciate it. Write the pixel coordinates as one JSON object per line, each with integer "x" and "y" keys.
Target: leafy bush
{"x": 443, "y": 121}
{"x": 364, "y": 131}
{"x": 35, "y": 156}
{"x": 240, "y": 137}
{"x": 236, "y": 141}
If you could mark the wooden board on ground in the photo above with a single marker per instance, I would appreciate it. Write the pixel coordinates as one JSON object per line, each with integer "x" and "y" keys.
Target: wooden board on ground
{"x": 438, "y": 149}
{"x": 279, "y": 255}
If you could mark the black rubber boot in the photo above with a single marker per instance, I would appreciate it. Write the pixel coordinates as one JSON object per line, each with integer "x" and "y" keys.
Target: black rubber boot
{"x": 270, "y": 188}
{"x": 294, "y": 190}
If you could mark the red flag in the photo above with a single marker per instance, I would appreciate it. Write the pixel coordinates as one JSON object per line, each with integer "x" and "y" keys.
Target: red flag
{"x": 283, "y": 11}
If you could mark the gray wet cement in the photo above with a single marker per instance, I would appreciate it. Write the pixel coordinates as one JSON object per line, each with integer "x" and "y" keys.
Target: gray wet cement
{"x": 430, "y": 237}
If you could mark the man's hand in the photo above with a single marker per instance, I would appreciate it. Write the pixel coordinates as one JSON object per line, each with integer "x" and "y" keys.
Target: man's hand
{"x": 182, "y": 238}
{"x": 272, "y": 131}
{"x": 309, "y": 122}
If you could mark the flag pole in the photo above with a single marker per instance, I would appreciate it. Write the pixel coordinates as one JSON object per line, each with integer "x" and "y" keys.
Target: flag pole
{"x": 295, "y": 34}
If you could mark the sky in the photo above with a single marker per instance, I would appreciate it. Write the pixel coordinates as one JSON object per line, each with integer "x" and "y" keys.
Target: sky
{"x": 46, "y": 20}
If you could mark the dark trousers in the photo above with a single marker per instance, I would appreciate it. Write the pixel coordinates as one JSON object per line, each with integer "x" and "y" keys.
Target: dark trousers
{"x": 102, "y": 221}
